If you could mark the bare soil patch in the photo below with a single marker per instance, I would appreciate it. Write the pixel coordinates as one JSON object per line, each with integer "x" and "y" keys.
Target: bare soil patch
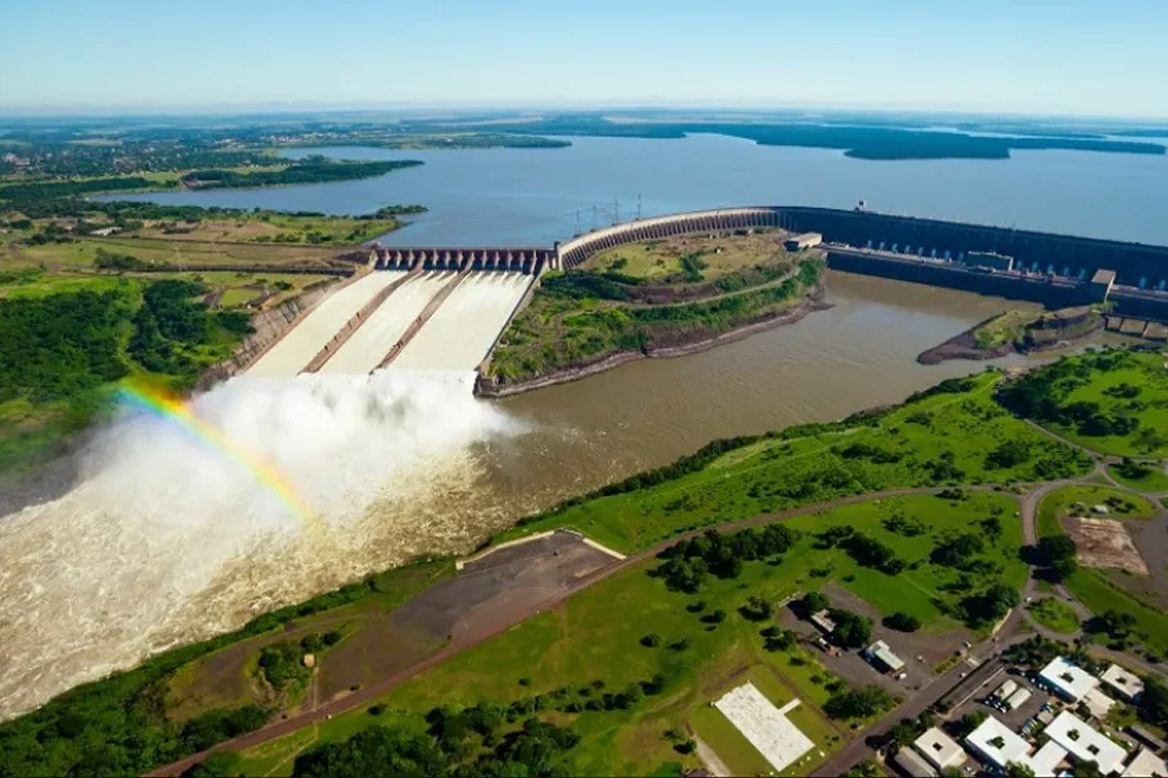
{"x": 1105, "y": 543}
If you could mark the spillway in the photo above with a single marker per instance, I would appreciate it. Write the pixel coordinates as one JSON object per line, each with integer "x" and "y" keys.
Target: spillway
{"x": 461, "y": 331}
{"x": 372, "y": 341}
{"x": 293, "y": 352}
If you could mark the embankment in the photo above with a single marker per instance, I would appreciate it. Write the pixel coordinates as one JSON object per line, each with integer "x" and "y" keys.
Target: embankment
{"x": 688, "y": 342}
{"x": 269, "y": 326}
{"x": 1045, "y": 332}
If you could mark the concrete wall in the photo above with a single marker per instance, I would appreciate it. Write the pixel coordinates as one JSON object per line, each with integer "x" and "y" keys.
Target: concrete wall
{"x": 1136, "y": 264}
{"x": 511, "y": 259}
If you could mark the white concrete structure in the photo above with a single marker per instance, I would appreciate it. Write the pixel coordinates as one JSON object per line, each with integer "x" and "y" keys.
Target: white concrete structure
{"x": 296, "y": 349}
{"x": 1126, "y": 684}
{"x": 462, "y": 330}
{"x": 1146, "y": 765}
{"x": 764, "y": 725}
{"x": 368, "y": 346}
{"x": 1067, "y": 680}
{"x": 998, "y": 745}
{"x": 1085, "y": 742}
{"x": 939, "y": 749}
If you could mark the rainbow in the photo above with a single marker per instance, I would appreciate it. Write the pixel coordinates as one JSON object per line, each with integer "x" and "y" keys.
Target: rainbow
{"x": 177, "y": 412}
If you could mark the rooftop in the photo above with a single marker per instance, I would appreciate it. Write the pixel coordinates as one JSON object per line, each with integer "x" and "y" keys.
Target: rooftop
{"x": 1127, "y": 684}
{"x": 1146, "y": 764}
{"x": 913, "y": 764}
{"x": 939, "y": 749}
{"x": 883, "y": 652}
{"x": 1072, "y": 681}
{"x": 1085, "y": 742}
{"x": 996, "y": 743}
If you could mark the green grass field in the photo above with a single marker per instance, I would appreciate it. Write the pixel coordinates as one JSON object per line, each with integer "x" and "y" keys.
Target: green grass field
{"x": 1055, "y": 614}
{"x": 1062, "y": 502}
{"x": 902, "y": 450}
{"x": 1144, "y": 478}
{"x": 1002, "y": 329}
{"x": 1122, "y": 383}
{"x": 1091, "y": 587}
{"x": 595, "y": 636}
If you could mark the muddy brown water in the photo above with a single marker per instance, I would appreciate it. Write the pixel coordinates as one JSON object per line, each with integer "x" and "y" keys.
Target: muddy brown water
{"x": 79, "y": 599}
{"x": 859, "y": 354}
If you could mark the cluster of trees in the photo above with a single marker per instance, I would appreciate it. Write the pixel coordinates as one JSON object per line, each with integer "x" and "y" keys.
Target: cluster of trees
{"x": 1057, "y": 554}
{"x": 1042, "y": 394}
{"x": 989, "y": 605}
{"x": 687, "y": 563}
{"x": 851, "y": 629}
{"x": 109, "y": 260}
{"x": 48, "y": 190}
{"x": 858, "y": 703}
{"x": 863, "y": 549}
{"x": 959, "y": 551}
{"x": 172, "y": 324}
{"x": 1119, "y": 627}
{"x": 60, "y": 346}
{"x": 311, "y": 170}
{"x": 902, "y": 622}
{"x": 283, "y": 662}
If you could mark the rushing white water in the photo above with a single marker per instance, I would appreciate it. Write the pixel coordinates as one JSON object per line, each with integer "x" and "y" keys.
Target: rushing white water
{"x": 167, "y": 539}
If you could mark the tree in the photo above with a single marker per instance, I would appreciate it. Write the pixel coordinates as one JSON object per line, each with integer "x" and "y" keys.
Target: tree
{"x": 220, "y": 764}
{"x": 1086, "y": 769}
{"x": 814, "y": 602}
{"x": 1057, "y": 553}
{"x": 958, "y": 551}
{"x": 757, "y": 609}
{"x": 1153, "y": 703}
{"x": 902, "y": 622}
{"x": 858, "y": 703}
{"x": 684, "y": 575}
{"x": 851, "y": 629}
{"x": 1019, "y": 770}
{"x": 990, "y": 605}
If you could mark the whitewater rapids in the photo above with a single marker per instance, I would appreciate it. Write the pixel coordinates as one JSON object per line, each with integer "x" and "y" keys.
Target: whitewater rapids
{"x": 166, "y": 539}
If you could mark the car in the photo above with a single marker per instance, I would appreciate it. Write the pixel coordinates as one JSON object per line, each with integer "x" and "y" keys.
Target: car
{"x": 967, "y": 644}
{"x": 901, "y": 676}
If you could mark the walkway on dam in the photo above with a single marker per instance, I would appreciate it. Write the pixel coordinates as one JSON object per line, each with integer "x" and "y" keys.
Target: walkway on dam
{"x": 369, "y": 345}
{"x": 292, "y": 353}
{"x": 463, "y": 329}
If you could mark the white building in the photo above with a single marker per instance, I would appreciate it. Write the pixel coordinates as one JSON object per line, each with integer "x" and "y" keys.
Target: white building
{"x": 1146, "y": 765}
{"x": 998, "y": 746}
{"x": 939, "y": 749}
{"x": 1085, "y": 742}
{"x": 1127, "y": 685}
{"x": 880, "y": 654}
{"x": 1067, "y": 680}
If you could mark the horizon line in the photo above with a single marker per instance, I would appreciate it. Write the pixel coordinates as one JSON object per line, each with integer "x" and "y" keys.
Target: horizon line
{"x": 292, "y": 108}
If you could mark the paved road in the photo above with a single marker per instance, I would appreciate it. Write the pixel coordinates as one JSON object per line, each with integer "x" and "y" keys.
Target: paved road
{"x": 464, "y": 641}
{"x": 854, "y": 752}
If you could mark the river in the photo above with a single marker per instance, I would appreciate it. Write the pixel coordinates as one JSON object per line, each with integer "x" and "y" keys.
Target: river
{"x": 537, "y": 196}
{"x": 166, "y": 542}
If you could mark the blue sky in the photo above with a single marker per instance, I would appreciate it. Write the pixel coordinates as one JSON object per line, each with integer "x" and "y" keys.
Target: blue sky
{"x": 1003, "y": 56}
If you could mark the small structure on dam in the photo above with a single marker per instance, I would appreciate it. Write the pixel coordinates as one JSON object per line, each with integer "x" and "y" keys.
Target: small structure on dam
{"x": 412, "y": 300}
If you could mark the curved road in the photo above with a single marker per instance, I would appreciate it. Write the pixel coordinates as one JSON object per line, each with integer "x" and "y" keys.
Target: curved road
{"x": 1004, "y": 635}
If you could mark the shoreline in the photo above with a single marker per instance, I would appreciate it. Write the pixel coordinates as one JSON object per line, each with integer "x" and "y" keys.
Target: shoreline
{"x": 488, "y": 388}
{"x": 964, "y": 345}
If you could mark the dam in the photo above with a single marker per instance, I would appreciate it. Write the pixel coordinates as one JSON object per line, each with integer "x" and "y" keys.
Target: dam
{"x": 444, "y": 308}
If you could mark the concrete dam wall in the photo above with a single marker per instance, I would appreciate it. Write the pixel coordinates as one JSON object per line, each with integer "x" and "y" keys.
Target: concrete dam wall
{"x": 444, "y": 308}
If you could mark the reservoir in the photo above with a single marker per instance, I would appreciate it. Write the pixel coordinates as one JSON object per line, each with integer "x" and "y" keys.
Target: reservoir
{"x": 165, "y": 543}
